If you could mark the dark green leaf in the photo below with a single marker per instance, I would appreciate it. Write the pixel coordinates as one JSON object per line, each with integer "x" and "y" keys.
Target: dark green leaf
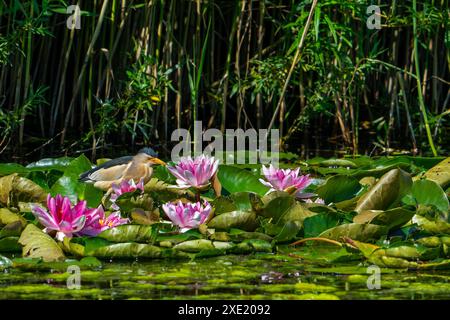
{"x": 128, "y": 233}
{"x": 239, "y": 180}
{"x": 356, "y": 231}
{"x": 245, "y": 220}
{"x": 338, "y": 188}
{"x": 428, "y": 192}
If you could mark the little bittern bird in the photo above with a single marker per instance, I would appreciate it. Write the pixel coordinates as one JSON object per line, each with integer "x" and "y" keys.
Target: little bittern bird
{"x": 124, "y": 168}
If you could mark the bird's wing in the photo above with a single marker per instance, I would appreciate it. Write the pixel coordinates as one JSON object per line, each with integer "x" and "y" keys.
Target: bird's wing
{"x": 108, "y": 171}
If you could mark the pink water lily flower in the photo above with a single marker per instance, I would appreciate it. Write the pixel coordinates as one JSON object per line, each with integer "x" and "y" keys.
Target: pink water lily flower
{"x": 187, "y": 215}
{"x": 97, "y": 222}
{"x": 69, "y": 221}
{"x": 195, "y": 172}
{"x": 61, "y": 216}
{"x": 287, "y": 180}
{"x": 124, "y": 187}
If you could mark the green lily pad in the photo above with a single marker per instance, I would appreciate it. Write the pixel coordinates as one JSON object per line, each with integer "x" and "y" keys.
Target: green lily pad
{"x": 360, "y": 232}
{"x": 37, "y": 244}
{"x": 69, "y": 185}
{"x": 10, "y": 244}
{"x": 339, "y": 188}
{"x": 440, "y": 173}
{"x": 391, "y": 219}
{"x": 128, "y": 233}
{"x": 315, "y": 225}
{"x": 14, "y": 189}
{"x": 7, "y": 217}
{"x": 199, "y": 245}
{"x": 135, "y": 250}
{"x": 234, "y": 179}
{"x": 428, "y": 192}
{"x": 387, "y": 192}
{"x": 245, "y": 220}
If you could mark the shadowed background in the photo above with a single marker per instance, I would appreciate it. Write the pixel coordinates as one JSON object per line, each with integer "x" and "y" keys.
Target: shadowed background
{"x": 136, "y": 70}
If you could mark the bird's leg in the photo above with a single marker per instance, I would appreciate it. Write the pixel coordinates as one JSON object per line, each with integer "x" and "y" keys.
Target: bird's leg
{"x": 107, "y": 194}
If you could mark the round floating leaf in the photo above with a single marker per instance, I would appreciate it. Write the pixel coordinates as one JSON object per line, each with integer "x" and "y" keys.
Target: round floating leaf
{"x": 135, "y": 250}
{"x": 278, "y": 206}
{"x": 47, "y": 164}
{"x": 128, "y": 233}
{"x": 238, "y": 180}
{"x": 15, "y": 189}
{"x": 13, "y": 229}
{"x": 10, "y": 244}
{"x": 392, "y": 219}
{"x": 387, "y": 192}
{"x": 7, "y": 217}
{"x": 356, "y": 231}
{"x": 428, "y": 192}
{"x": 202, "y": 244}
{"x": 338, "y": 163}
{"x": 69, "y": 185}
{"x": 338, "y": 188}
{"x": 10, "y": 168}
{"x": 37, "y": 244}
{"x": 315, "y": 225}
{"x": 434, "y": 226}
{"x": 440, "y": 173}
{"x": 245, "y": 220}
{"x": 224, "y": 204}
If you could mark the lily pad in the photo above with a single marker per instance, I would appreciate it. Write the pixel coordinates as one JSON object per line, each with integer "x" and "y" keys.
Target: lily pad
{"x": 69, "y": 185}
{"x": 339, "y": 188}
{"x": 440, "y": 173}
{"x": 128, "y": 233}
{"x": 392, "y": 218}
{"x": 14, "y": 189}
{"x": 37, "y": 244}
{"x": 234, "y": 179}
{"x": 7, "y": 217}
{"x": 387, "y": 192}
{"x": 201, "y": 245}
{"x": 10, "y": 244}
{"x": 357, "y": 231}
{"x": 245, "y": 220}
{"x": 428, "y": 192}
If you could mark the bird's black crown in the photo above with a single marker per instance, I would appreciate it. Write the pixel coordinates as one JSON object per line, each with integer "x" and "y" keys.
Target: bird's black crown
{"x": 149, "y": 151}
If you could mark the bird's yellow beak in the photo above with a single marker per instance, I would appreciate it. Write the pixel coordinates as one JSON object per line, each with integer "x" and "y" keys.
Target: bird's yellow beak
{"x": 157, "y": 161}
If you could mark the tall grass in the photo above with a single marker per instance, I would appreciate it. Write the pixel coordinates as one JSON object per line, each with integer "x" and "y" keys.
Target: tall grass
{"x": 136, "y": 70}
